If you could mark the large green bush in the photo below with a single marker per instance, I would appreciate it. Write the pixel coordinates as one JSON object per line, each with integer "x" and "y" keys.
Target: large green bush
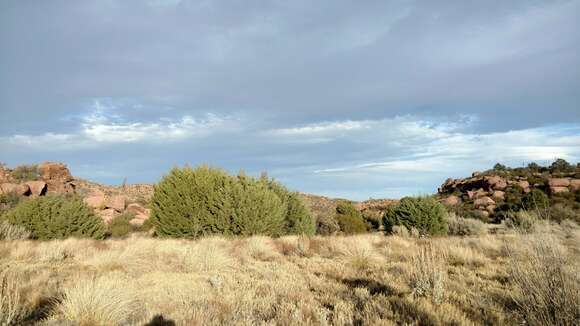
{"x": 423, "y": 213}
{"x": 350, "y": 219}
{"x": 56, "y": 217}
{"x": 298, "y": 219}
{"x": 201, "y": 201}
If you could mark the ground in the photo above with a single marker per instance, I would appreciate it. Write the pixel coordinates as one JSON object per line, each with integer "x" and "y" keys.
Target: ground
{"x": 369, "y": 279}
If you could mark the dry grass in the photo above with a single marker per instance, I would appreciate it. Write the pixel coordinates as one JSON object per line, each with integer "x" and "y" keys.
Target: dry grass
{"x": 372, "y": 279}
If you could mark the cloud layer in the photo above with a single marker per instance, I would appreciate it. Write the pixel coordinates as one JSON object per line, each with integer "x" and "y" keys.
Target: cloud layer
{"x": 381, "y": 98}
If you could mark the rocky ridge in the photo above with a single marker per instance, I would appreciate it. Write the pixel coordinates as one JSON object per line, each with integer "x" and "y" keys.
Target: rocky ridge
{"x": 485, "y": 191}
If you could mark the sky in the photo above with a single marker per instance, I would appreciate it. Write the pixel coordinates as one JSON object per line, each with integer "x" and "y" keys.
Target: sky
{"x": 349, "y": 99}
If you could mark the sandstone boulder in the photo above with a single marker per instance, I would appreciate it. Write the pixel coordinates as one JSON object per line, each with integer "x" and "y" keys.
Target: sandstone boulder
{"x": 37, "y": 188}
{"x": 451, "y": 200}
{"x": 483, "y": 202}
{"x": 524, "y": 185}
{"x": 19, "y": 189}
{"x": 107, "y": 215}
{"x": 490, "y": 209}
{"x": 575, "y": 184}
{"x": 476, "y": 193}
{"x": 137, "y": 222}
{"x": 559, "y": 182}
{"x": 496, "y": 182}
{"x": 135, "y": 208}
{"x": 95, "y": 200}
{"x": 498, "y": 194}
{"x": 556, "y": 190}
{"x": 116, "y": 202}
{"x": 57, "y": 177}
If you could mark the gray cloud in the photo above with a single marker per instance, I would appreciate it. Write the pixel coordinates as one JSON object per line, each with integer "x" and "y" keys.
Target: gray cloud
{"x": 294, "y": 87}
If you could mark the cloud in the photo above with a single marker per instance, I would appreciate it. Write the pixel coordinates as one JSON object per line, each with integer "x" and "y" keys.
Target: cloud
{"x": 105, "y": 126}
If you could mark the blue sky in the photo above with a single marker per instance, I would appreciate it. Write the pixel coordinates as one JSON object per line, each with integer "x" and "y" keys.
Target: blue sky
{"x": 340, "y": 98}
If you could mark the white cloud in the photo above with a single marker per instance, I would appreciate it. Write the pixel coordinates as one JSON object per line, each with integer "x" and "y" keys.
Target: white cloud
{"x": 104, "y": 125}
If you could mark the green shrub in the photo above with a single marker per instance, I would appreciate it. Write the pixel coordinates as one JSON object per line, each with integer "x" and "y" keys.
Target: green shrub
{"x": 201, "y": 201}
{"x": 349, "y": 218}
{"x": 56, "y": 217}
{"x": 120, "y": 226}
{"x": 423, "y": 213}
{"x": 298, "y": 219}
{"x": 23, "y": 173}
{"x": 8, "y": 201}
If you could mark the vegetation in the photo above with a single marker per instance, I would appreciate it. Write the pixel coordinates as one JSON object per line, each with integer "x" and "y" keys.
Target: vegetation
{"x": 423, "y": 213}
{"x": 465, "y": 226}
{"x": 8, "y": 201}
{"x": 202, "y": 201}
{"x": 507, "y": 278}
{"x": 23, "y": 173}
{"x": 120, "y": 227}
{"x": 349, "y": 219}
{"x": 56, "y": 217}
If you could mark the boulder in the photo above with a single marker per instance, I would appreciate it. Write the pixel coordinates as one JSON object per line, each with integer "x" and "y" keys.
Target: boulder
{"x": 559, "y": 182}
{"x": 451, "y": 200}
{"x": 107, "y": 215}
{"x": 19, "y": 189}
{"x": 135, "y": 209}
{"x": 490, "y": 209}
{"x": 556, "y": 190}
{"x": 116, "y": 202}
{"x": 496, "y": 182}
{"x": 51, "y": 171}
{"x": 498, "y": 194}
{"x": 476, "y": 194}
{"x": 575, "y": 184}
{"x": 95, "y": 200}
{"x": 137, "y": 221}
{"x": 483, "y": 202}
{"x": 57, "y": 177}
{"x": 37, "y": 188}
{"x": 524, "y": 185}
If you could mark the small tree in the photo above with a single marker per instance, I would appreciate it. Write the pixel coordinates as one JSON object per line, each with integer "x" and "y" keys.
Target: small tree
{"x": 56, "y": 217}
{"x": 423, "y": 213}
{"x": 561, "y": 165}
{"x": 349, "y": 218}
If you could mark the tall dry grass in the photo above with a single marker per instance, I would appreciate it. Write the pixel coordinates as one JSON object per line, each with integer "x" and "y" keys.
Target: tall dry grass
{"x": 371, "y": 279}
{"x": 547, "y": 283}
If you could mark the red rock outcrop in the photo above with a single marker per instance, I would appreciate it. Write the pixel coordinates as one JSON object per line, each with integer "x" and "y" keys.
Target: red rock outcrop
{"x": 57, "y": 177}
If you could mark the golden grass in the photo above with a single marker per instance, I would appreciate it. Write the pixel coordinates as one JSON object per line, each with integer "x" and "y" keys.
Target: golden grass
{"x": 367, "y": 279}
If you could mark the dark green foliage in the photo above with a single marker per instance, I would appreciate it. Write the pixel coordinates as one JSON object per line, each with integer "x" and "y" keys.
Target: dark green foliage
{"x": 536, "y": 200}
{"x": 8, "y": 201}
{"x": 23, "y": 173}
{"x": 534, "y": 167}
{"x": 351, "y": 224}
{"x": 195, "y": 202}
{"x": 349, "y": 218}
{"x": 298, "y": 219}
{"x": 120, "y": 226}
{"x": 423, "y": 213}
{"x": 499, "y": 167}
{"x": 56, "y": 217}
{"x": 561, "y": 165}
